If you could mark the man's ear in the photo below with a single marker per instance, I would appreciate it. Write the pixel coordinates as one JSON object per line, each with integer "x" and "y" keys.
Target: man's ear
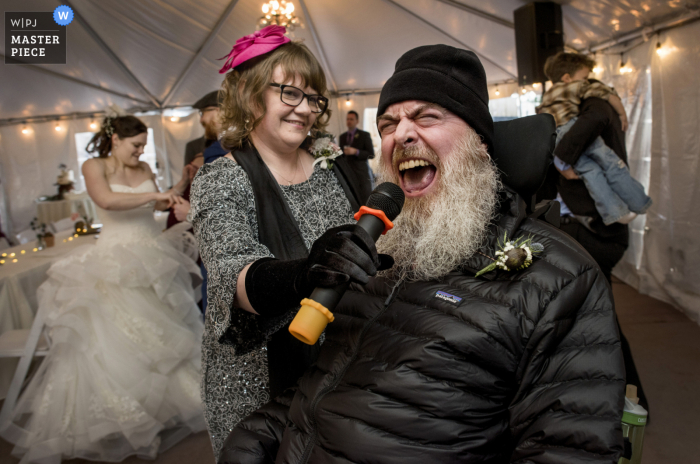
{"x": 566, "y": 78}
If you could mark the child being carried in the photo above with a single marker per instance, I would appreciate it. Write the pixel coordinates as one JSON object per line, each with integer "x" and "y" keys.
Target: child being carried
{"x": 618, "y": 196}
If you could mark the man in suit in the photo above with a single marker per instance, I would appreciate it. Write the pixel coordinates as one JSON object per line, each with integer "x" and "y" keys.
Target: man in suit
{"x": 208, "y": 107}
{"x": 357, "y": 145}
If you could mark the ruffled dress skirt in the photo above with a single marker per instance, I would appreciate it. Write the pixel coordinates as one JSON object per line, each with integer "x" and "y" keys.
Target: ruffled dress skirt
{"x": 123, "y": 374}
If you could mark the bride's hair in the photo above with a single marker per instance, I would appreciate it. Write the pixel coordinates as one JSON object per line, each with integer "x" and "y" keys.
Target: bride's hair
{"x": 123, "y": 126}
{"x": 243, "y": 89}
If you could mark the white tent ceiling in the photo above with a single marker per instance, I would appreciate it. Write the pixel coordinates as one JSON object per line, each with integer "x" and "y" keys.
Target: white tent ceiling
{"x": 155, "y": 53}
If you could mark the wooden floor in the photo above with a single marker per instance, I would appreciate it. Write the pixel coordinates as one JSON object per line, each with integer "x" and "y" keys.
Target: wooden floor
{"x": 666, "y": 347}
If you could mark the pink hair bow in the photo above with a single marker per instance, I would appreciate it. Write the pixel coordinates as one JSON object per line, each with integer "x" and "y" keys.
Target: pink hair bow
{"x": 263, "y": 41}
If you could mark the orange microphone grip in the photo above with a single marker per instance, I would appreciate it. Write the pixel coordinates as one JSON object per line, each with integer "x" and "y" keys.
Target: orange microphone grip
{"x": 388, "y": 225}
{"x": 315, "y": 313}
{"x": 310, "y": 321}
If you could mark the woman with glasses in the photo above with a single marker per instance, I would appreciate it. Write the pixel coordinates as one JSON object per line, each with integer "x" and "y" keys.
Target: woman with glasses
{"x": 271, "y": 225}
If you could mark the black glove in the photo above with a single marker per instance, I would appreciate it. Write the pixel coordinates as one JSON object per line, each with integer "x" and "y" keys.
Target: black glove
{"x": 342, "y": 254}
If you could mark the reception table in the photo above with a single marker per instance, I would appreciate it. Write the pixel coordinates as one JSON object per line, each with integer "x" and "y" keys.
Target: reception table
{"x": 48, "y": 212}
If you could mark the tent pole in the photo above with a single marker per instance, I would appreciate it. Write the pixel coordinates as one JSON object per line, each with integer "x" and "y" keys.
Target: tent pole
{"x": 478, "y": 12}
{"x": 324, "y": 62}
{"x": 202, "y": 50}
{"x": 647, "y": 31}
{"x": 81, "y": 82}
{"x": 483, "y": 57}
{"x": 111, "y": 54}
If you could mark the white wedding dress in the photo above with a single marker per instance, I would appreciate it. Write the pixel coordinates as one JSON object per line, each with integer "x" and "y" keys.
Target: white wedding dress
{"x": 122, "y": 377}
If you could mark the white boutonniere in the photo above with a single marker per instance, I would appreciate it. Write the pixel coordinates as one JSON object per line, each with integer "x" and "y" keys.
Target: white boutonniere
{"x": 513, "y": 255}
{"x": 325, "y": 151}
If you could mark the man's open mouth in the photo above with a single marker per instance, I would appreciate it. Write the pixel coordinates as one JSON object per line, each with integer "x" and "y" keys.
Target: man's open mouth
{"x": 416, "y": 175}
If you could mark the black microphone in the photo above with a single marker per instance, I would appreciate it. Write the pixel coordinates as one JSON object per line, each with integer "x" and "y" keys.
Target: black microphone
{"x": 382, "y": 207}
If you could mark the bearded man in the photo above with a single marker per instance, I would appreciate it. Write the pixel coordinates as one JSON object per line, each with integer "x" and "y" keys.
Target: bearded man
{"x": 428, "y": 362}
{"x": 208, "y": 107}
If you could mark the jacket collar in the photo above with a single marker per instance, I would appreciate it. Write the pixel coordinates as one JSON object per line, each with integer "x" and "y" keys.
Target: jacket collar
{"x": 511, "y": 213}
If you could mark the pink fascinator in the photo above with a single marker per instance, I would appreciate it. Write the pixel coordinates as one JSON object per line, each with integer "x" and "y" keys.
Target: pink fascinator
{"x": 263, "y": 41}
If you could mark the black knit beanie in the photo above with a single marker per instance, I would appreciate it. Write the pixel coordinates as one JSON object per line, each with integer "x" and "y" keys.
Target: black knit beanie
{"x": 450, "y": 77}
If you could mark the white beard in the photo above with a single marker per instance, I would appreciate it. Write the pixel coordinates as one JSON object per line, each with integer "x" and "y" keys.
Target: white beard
{"x": 434, "y": 234}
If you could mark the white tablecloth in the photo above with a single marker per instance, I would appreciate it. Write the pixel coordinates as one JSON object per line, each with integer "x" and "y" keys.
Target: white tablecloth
{"x": 52, "y": 211}
{"x": 18, "y": 284}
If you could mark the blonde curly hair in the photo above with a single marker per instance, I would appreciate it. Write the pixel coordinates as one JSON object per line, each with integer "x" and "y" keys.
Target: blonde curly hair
{"x": 243, "y": 88}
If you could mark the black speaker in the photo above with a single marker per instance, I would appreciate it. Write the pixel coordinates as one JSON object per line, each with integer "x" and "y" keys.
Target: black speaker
{"x": 538, "y": 35}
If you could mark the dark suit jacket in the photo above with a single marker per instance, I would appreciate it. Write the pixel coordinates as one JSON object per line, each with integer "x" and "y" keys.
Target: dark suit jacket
{"x": 362, "y": 142}
{"x": 196, "y": 146}
{"x": 358, "y": 163}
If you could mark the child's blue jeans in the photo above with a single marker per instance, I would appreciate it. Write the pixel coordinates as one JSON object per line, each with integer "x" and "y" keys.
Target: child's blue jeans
{"x": 607, "y": 179}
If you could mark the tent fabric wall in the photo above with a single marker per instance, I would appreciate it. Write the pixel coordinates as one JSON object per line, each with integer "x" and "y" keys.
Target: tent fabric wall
{"x": 672, "y": 247}
{"x": 664, "y": 252}
{"x": 29, "y": 162}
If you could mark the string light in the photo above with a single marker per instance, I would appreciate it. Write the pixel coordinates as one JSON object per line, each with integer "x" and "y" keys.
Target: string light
{"x": 524, "y": 91}
{"x": 664, "y": 50}
{"x": 536, "y": 85}
{"x": 624, "y": 69}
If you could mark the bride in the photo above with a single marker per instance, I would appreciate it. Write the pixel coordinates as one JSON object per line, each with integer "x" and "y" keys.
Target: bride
{"x": 122, "y": 376}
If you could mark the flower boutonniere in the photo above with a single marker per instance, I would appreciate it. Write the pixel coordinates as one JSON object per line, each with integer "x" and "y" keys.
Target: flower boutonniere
{"x": 513, "y": 255}
{"x": 325, "y": 151}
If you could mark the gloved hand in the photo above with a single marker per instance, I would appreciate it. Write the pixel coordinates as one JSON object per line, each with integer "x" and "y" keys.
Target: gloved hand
{"x": 341, "y": 254}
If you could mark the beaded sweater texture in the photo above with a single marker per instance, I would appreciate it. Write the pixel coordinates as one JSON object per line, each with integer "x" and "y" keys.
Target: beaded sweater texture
{"x": 234, "y": 357}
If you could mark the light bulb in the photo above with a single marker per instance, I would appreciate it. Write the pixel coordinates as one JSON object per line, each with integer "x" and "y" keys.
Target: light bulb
{"x": 25, "y": 130}
{"x": 93, "y": 125}
{"x": 275, "y": 5}
{"x": 265, "y": 8}
{"x": 174, "y": 119}
{"x": 536, "y": 85}
{"x": 497, "y": 92}
{"x": 57, "y": 128}
{"x": 348, "y": 102}
{"x": 597, "y": 69}
{"x": 290, "y": 8}
{"x": 524, "y": 91}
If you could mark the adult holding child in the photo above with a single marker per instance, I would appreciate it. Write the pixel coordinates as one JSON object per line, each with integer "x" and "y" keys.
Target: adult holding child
{"x": 121, "y": 377}
{"x": 598, "y": 204}
{"x": 271, "y": 223}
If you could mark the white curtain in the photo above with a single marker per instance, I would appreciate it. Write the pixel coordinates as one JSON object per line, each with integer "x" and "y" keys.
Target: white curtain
{"x": 663, "y": 145}
{"x": 29, "y": 162}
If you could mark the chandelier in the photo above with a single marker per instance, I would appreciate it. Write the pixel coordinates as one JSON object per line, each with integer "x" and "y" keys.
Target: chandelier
{"x": 280, "y": 13}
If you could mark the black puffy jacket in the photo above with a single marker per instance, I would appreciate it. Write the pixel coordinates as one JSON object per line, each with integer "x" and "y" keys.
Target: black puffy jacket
{"x": 521, "y": 367}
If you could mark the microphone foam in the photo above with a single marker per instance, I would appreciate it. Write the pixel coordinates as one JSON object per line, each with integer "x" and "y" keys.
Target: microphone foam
{"x": 387, "y": 197}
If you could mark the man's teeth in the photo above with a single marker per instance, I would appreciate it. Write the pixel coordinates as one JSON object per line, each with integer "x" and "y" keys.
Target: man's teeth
{"x": 412, "y": 164}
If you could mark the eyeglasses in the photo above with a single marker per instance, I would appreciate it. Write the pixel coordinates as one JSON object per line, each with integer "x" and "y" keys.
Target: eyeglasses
{"x": 293, "y": 96}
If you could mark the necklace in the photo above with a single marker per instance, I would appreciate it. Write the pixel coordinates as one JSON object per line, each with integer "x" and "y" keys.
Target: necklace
{"x": 301, "y": 211}
{"x": 296, "y": 168}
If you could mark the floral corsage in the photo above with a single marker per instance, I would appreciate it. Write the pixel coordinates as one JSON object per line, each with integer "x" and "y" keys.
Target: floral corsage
{"x": 325, "y": 151}
{"x": 513, "y": 255}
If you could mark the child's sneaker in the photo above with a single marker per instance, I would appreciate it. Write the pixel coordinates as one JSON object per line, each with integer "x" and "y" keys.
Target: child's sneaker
{"x": 627, "y": 218}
